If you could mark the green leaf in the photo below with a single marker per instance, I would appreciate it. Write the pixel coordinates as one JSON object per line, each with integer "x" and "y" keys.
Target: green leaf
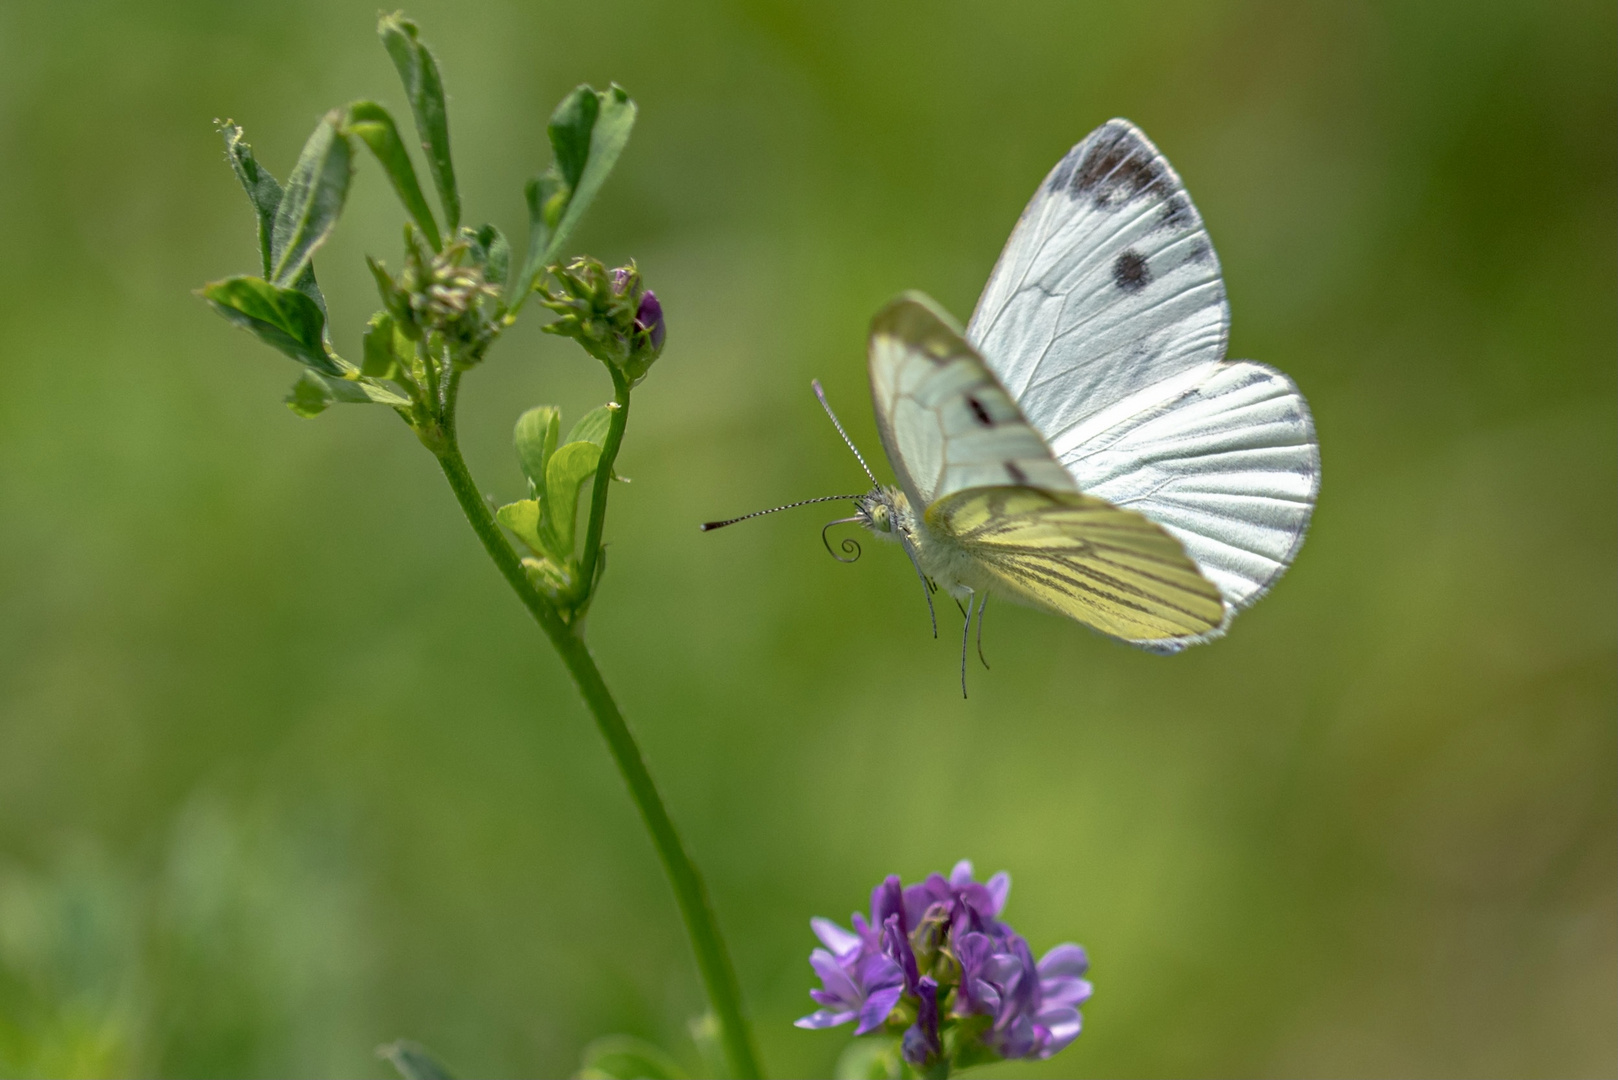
{"x": 284, "y": 318}
{"x": 535, "y": 436}
{"x": 413, "y": 1061}
{"x": 419, "y": 73}
{"x": 263, "y": 190}
{"x": 309, "y": 396}
{"x": 394, "y": 299}
{"x": 547, "y": 197}
{"x": 492, "y": 251}
{"x": 523, "y": 519}
{"x": 313, "y": 199}
{"x": 592, "y": 426}
{"x": 313, "y": 393}
{"x": 624, "y": 1057}
{"x": 380, "y": 360}
{"x": 565, "y": 473}
{"x": 375, "y": 127}
{"x": 555, "y": 581}
{"x": 609, "y": 132}
{"x": 570, "y": 129}
{"x": 588, "y": 132}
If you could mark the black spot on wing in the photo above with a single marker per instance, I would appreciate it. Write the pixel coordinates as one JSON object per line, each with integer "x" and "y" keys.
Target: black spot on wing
{"x": 979, "y": 412}
{"x": 1014, "y": 471}
{"x": 1130, "y": 272}
{"x": 1116, "y": 168}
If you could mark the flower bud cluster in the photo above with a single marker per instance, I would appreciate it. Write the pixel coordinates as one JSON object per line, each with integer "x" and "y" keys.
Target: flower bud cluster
{"x": 442, "y": 293}
{"x": 610, "y": 313}
{"x": 935, "y": 963}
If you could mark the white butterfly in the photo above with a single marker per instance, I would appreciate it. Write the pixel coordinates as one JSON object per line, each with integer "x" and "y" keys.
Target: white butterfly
{"x": 1084, "y": 446}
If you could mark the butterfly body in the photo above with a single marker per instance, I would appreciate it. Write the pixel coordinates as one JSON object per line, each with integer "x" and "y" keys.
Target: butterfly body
{"x": 939, "y": 557}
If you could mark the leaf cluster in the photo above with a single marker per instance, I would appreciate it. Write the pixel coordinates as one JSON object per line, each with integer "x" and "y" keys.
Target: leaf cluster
{"x": 457, "y": 290}
{"x": 546, "y": 521}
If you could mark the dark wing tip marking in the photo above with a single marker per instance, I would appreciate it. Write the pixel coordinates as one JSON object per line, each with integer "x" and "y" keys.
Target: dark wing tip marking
{"x": 979, "y": 413}
{"x": 1130, "y": 272}
{"x": 1176, "y": 214}
{"x": 1014, "y": 471}
{"x": 1117, "y": 166}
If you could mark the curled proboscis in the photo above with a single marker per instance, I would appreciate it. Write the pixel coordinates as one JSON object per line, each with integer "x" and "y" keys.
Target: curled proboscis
{"x": 848, "y": 545}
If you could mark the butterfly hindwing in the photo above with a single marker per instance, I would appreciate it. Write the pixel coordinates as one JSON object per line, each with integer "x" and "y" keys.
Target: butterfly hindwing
{"x": 946, "y": 422}
{"x": 1227, "y": 462}
{"x": 1083, "y": 557}
{"x": 1108, "y": 284}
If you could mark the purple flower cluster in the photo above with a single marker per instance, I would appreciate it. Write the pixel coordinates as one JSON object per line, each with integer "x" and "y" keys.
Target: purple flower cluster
{"x": 935, "y": 960}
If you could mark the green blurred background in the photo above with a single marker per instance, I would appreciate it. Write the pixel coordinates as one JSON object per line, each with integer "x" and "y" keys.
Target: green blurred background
{"x": 285, "y": 772}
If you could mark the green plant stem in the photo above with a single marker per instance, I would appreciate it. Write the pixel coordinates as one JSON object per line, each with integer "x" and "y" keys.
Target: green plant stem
{"x": 713, "y": 960}
{"x": 616, "y": 422}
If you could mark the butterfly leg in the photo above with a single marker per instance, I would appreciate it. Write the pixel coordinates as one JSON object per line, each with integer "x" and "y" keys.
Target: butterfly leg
{"x": 927, "y": 585}
{"x": 981, "y": 605}
{"x": 966, "y": 634}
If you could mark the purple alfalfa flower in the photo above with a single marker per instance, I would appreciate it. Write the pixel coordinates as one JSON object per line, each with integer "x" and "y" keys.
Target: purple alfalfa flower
{"x": 858, "y": 981}
{"x": 937, "y": 944}
{"x": 975, "y": 904}
{"x": 864, "y": 972}
{"x": 986, "y": 898}
{"x": 1062, "y": 989}
{"x": 1033, "y": 1007}
{"x": 921, "y": 1044}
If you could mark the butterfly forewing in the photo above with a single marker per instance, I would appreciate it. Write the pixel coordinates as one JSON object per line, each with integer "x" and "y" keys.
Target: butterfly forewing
{"x": 1108, "y": 284}
{"x": 946, "y": 423}
{"x": 1083, "y": 557}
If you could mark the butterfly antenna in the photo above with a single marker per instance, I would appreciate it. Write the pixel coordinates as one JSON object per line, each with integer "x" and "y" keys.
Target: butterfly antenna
{"x": 709, "y": 526}
{"x": 838, "y": 424}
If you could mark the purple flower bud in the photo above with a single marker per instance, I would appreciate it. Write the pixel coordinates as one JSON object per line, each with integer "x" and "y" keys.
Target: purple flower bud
{"x": 921, "y": 1042}
{"x": 649, "y": 320}
{"x": 897, "y": 945}
{"x": 887, "y": 900}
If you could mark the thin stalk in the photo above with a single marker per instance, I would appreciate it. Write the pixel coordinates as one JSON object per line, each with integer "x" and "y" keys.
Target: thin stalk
{"x": 616, "y": 422}
{"x": 713, "y": 960}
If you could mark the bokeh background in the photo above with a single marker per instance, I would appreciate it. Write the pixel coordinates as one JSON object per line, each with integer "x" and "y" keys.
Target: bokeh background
{"x": 285, "y": 772}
